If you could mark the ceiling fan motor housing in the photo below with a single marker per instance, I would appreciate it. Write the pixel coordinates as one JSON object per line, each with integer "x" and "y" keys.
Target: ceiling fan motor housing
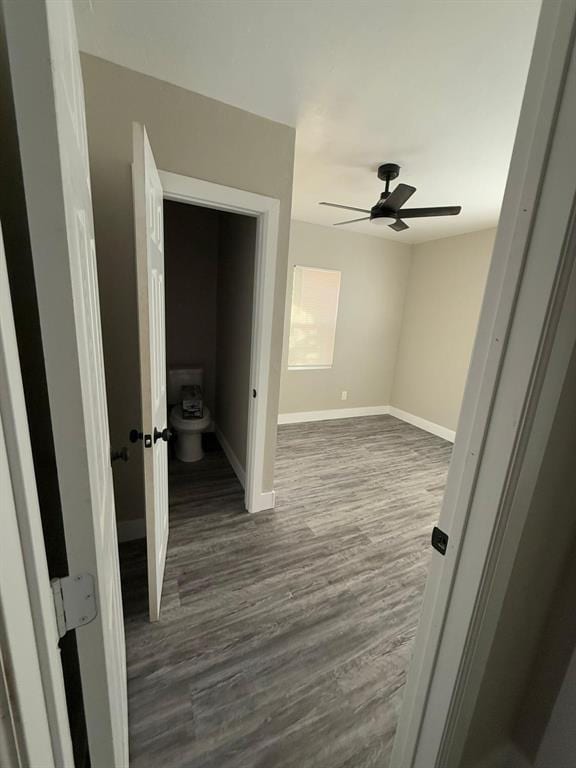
{"x": 388, "y": 171}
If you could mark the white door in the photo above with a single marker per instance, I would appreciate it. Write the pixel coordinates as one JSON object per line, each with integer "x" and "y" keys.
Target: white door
{"x": 49, "y": 101}
{"x": 33, "y": 714}
{"x": 149, "y": 236}
{"x": 25, "y": 728}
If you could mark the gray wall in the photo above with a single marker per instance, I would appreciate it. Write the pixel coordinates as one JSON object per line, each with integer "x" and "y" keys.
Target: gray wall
{"x": 540, "y": 728}
{"x": 234, "y": 334}
{"x": 195, "y": 136}
{"x": 558, "y": 745}
{"x": 191, "y": 276}
{"x": 521, "y": 679}
{"x": 445, "y": 291}
{"x": 372, "y": 290}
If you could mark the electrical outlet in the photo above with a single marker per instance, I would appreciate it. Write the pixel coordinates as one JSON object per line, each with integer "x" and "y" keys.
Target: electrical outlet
{"x": 344, "y": 395}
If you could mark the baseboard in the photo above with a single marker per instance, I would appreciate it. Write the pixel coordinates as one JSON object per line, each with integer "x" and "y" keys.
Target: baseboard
{"x": 335, "y": 413}
{"x": 231, "y": 456}
{"x": 130, "y": 530}
{"x": 265, "y": 500}
{"x": 370, "y": 410}
{"x": 428, "y": 426}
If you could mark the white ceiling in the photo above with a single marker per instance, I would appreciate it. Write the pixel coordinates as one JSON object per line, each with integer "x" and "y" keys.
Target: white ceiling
{"x": 433, "y": 85}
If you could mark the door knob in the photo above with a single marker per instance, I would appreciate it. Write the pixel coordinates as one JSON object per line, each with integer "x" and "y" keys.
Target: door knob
{"x": 165, "y": 434}
{"x": 135, "y": 435}
{"x": 122, "y": 455}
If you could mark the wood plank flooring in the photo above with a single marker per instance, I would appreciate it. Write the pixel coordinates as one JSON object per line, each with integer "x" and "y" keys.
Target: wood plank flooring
{"x": 285, "y": 636}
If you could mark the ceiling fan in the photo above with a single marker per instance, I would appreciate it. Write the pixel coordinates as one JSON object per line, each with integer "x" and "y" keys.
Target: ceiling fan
{"x": 388, "y": 210}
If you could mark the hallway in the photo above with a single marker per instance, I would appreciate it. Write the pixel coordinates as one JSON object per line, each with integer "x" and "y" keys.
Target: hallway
{"x": 285, "y": 636}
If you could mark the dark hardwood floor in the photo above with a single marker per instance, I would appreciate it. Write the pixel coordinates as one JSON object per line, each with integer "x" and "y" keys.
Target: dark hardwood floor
{"x": 285, "y": 636}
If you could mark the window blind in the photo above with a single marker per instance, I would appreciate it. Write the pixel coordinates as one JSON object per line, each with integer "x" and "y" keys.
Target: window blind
{"x": 313, "y": 316}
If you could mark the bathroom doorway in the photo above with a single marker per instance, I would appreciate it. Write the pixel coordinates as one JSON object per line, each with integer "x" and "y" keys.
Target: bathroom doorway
{"x": 151, "y": 188}
{"x": 209, "y": 263}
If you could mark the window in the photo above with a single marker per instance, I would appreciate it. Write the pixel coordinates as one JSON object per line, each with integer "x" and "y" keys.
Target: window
{"x": 313, "y": 317}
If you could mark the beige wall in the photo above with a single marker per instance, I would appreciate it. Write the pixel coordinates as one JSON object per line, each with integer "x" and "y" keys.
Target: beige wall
{"x": 445, "y": 292}
{"x": 373, "y": 284}
{"x": 235, "y": 300}
{"x": 191, "y": 279}
{"x": 195, "y": 136}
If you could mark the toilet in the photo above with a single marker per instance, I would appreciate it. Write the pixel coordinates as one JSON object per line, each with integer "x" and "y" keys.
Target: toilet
{"x": 188, "y": 431}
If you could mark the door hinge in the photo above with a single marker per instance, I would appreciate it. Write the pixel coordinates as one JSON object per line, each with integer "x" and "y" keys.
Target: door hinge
{"x": 74, "y": 601}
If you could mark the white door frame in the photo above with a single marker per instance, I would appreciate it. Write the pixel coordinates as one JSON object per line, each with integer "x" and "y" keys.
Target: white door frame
{"x": 185, "y": 189}
{"x": 48, "y": 97}
{"x": 526, "y": 334}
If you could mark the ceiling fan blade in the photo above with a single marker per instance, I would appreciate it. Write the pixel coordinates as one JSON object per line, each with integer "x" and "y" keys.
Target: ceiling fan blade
{"x": 399, "y": 226}
{"x": 416, "y": 213}
{"x": 397, "y": 197}
{"x": 346, "y": 207}
{"x": 350, "y": 221}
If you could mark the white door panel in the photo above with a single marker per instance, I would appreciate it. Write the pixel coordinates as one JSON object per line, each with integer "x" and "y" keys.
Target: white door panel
{"x": 149, "y": 235}
{"x": 30, "y": 667}
{"x": 49, "y": 100}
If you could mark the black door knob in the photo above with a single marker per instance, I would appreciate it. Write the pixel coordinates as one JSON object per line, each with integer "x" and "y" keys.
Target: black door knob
{"x": 165, "y": 434}
{"x": 122, "y": 455}
{"x": 135, "y": 435}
